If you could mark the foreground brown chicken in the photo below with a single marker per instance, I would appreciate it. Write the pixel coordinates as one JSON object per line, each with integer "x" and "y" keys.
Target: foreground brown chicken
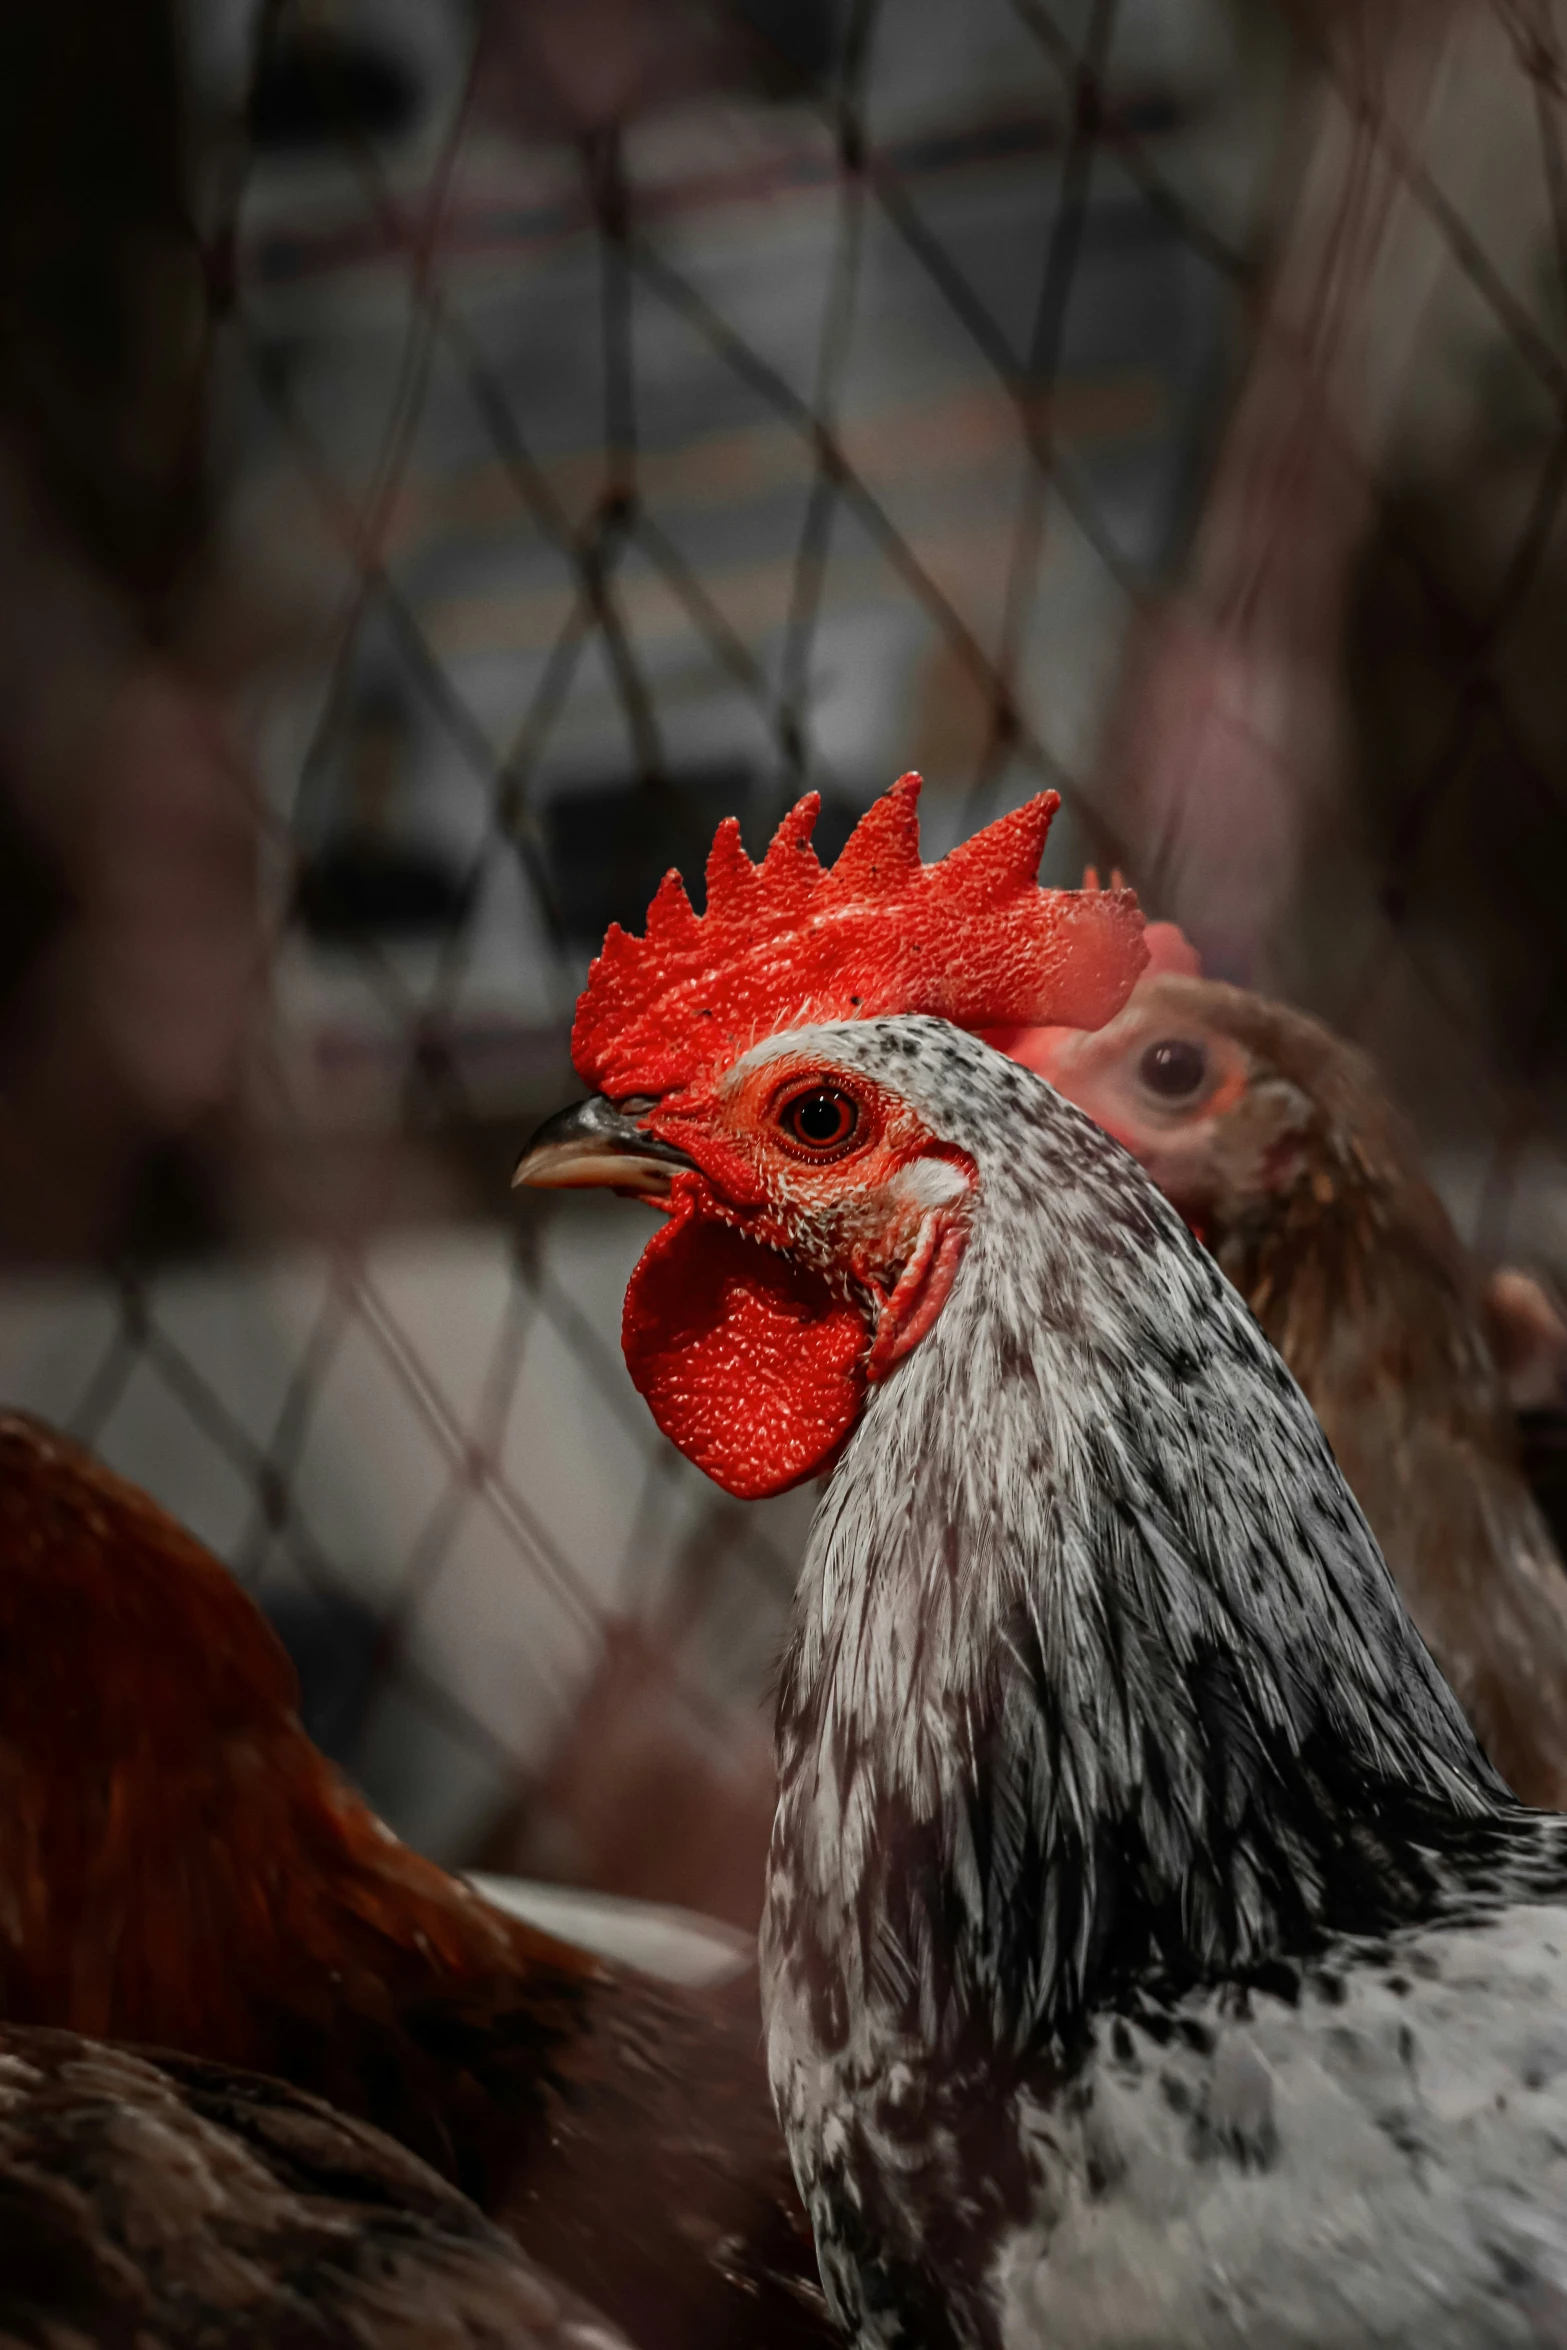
{"x": 1277, "y": 1143}
{"x": 179, "y": 1868}
{"x": 157, "y": 2203}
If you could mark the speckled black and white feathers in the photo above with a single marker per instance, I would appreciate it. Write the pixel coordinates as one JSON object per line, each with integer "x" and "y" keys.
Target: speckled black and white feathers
{"x": 1308, "y": 1187}
{"x": 1099, "y": 1701}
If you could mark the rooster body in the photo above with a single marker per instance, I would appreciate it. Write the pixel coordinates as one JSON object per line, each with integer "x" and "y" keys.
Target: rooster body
{"x": 1102, "y": 1726}
{"x": 1279, "y": 1146}
{"x": 1151, "y": 1956}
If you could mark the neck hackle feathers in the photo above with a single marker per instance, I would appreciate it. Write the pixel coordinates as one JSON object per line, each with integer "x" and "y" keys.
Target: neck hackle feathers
{"x": 972, "y": 939}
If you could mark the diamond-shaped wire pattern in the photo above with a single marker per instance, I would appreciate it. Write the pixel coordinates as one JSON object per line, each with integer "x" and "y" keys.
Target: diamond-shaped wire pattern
{"x": 1162, "y": 402}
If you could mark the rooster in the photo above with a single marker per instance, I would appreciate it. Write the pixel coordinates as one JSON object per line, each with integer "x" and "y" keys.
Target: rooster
{"x": 1151, "y": 1955}
{"x": 1277, "y": 1143}
{"x": 180, "y": 1868}
{"x": 156, "y": 2203}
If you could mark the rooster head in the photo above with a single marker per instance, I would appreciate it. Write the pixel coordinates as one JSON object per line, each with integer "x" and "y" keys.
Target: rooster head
{"x": 816, "y": 1216}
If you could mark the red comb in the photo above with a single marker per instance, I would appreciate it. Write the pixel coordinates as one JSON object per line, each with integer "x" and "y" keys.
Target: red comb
{"x": 972, "y": 939}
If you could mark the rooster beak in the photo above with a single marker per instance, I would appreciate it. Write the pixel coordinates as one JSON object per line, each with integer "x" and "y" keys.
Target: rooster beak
{"x": 593, "y": 1143}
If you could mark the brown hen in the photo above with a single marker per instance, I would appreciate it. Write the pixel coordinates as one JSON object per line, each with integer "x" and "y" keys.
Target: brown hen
{"x": 158, "y": 2203}
{"x": 179, "y": 1867}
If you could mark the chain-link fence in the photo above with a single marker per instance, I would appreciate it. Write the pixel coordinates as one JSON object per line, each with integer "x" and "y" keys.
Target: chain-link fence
{"x": 453, "y": 456}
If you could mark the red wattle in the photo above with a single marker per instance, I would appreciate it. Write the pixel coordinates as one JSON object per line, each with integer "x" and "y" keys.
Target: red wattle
{"x": 749, "y": 1362}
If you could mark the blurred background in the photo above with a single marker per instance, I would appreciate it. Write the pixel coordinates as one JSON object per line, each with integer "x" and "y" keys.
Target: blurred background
{"x": 454, "y": 451}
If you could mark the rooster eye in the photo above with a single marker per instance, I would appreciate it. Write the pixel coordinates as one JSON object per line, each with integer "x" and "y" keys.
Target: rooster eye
{"x": 1173, "y": 1068}
{"x": 822, "y": 1119}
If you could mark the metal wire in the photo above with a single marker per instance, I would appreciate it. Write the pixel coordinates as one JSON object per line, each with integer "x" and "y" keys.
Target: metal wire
{"x": 660, "y": 1547}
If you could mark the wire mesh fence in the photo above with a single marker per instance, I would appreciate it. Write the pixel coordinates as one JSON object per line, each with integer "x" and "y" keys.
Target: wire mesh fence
{"x": 569, "y": 426}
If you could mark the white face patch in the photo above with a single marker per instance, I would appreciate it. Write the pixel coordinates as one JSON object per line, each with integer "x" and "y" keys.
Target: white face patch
{"x": 928, "y": 1183}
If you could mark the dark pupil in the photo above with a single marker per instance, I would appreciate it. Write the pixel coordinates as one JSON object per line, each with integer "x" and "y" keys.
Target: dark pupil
{"x": 1175, "y": 1067}
{"x": 822, "y": 1118}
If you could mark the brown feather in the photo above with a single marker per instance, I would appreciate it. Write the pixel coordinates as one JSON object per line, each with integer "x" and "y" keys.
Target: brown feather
{"x": 159, "y": 2201}
{"x": 179, "y": 1867}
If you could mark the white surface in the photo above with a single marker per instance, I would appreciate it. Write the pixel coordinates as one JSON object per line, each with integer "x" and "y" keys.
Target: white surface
{"x": 675, "y": 1944}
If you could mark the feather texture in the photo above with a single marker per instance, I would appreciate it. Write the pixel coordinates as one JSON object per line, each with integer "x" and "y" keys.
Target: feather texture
{"x": 179, "y": 1867}
{"x": 1281, "y": 1148}
{"x": 151, "y": 2200}
{"x": 1101, "y": 1718}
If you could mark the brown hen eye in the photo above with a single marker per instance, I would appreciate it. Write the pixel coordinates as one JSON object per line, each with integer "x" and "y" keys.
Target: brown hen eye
{"x": 821, "y": 1120}
{"x": 1173, "y": 1068}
